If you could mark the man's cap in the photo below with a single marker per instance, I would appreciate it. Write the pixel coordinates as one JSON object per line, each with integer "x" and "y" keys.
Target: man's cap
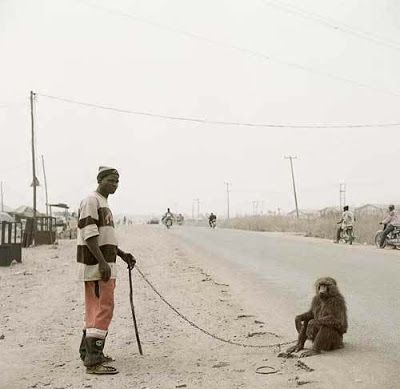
{"x": 106, "y": 171}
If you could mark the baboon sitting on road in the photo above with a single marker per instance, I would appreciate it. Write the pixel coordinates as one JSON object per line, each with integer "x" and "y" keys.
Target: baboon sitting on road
{"x": 325, "y": 322}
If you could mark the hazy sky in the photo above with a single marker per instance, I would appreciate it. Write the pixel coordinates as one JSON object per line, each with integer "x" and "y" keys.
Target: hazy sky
{"x": 271, "y": 62}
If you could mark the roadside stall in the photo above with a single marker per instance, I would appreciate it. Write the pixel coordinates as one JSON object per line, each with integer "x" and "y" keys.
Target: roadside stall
{"x": 46, "y": 230}
{"x": 10, "y": 242}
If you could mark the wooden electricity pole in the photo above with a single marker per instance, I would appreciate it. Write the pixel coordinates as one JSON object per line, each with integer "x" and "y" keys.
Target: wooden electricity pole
{"x": 45, "y": 187}
{"x": 2, "y": 197}
{"x": 34, "y": 182}
{"x": 227, "y": 198}
{"x": 294, "y": 185}
{"x": 193, "y": 209}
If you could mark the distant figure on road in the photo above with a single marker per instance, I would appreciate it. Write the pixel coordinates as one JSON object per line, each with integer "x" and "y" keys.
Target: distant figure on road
{"x": 212, "y": 220}
{"x": 391, "y": 221}
{"x": 97, "y": 252}
{"x": 168, "y": 218}
{"x": 180, "y": 219}
{"x": 346, "y": 224}
{"x": 166, "y": 215}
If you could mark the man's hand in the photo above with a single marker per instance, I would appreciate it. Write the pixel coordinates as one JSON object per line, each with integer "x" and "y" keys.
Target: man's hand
{"x": 104, "y": 267}
{"x": 105, "y": 270}
{"x": 128, "y": 258}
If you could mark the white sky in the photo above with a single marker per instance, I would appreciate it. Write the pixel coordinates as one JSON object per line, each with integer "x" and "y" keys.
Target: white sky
{"x": 72, "y": 49}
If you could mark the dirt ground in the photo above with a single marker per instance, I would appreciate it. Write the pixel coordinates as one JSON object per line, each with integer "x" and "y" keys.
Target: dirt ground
{"x": 41, "y": 306}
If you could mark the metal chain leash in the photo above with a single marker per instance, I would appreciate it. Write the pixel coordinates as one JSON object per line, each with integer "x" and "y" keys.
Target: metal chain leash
{"x": 202, "y": 329}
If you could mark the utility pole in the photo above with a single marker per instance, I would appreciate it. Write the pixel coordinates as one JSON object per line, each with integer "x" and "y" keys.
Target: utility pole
{"x": 228, "y": 184}
{"x": 32, "y": 98}
{"x": 45, "y": 187}
{"x": 258, "y": 206}
{"x": 290, "y": 157}
{"x": 342, "y": 195}
{"x": 255, "y": 207}
{"x": 2, "y": 197}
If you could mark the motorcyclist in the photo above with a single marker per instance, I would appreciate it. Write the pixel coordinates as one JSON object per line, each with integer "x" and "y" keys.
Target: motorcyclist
{"x": 212, "y": 218}
{"x": 167, "y": 215}
{"x": 391, "y": 221}
{"x": 346, "y": 223}
{"x": 180, "y": 219}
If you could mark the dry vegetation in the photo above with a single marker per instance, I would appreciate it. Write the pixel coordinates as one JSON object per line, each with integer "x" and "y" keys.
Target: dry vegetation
{"x": 321, "y": 227}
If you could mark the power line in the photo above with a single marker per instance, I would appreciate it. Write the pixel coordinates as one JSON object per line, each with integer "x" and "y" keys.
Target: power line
{"x": 217, "y": 122}
{"x": 253, "y": 53}
{"x": 332, "y": 23}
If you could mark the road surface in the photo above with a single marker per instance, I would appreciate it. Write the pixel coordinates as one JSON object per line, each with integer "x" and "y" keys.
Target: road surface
{"x": 286, "y": 266}
{"x": 231, "y": 283}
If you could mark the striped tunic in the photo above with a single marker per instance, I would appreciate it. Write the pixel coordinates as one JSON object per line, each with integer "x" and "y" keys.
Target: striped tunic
{"x": 95, "y": 219}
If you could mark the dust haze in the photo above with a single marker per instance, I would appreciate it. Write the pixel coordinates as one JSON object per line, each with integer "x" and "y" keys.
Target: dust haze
{"x": 269, "y": 62}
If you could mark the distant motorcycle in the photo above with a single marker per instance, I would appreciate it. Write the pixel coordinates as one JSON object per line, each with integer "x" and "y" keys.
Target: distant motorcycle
{"x": 168, "y": 222}
{"x": 213, "y": 224}
{"x": 392, "y": 239}
{"x": 347, "y": 235}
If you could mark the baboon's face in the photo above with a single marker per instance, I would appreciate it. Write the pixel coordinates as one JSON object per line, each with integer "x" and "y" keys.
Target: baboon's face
{"x": 326, "y": 287}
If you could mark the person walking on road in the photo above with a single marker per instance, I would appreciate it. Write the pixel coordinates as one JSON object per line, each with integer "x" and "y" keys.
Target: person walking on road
{"x": 97, "y": 250}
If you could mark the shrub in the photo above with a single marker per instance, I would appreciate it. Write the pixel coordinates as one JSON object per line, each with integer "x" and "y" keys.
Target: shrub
{"x": 321, "y": 227}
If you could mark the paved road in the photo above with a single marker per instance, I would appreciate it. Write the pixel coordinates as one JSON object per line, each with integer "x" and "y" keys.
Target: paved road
{"x": 368, "y": 277}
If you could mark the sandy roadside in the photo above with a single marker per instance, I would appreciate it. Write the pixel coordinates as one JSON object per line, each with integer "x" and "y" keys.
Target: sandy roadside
{"x": 41, "y": 318}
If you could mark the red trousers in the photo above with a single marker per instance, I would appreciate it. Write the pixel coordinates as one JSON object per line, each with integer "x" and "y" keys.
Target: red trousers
{"x": 99, "y": 307}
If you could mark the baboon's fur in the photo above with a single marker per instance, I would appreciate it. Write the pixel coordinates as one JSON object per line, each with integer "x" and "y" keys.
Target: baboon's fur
{"x": 325, "y": 322}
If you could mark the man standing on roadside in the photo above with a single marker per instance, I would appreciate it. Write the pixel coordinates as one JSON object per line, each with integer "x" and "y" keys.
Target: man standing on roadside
{"x": 96, "y": 255}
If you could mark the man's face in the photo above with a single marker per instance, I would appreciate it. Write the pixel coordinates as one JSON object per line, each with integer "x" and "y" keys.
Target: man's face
{"x": 109, "y": 184}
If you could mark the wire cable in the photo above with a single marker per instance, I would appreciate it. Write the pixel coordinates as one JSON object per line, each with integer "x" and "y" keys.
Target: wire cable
{"x": 253, "y": 53}
{"x": 217, "y": 122}
{"x": 332, "y": 23}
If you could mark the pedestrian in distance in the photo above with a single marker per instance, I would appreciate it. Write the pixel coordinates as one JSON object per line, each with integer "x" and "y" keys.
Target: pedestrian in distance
{"x": 97, "y": 251}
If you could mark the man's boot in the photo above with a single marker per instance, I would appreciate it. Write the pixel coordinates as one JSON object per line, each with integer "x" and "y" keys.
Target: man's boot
{"x": 94, "y": 357}
{"x": 82, "y": 350}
